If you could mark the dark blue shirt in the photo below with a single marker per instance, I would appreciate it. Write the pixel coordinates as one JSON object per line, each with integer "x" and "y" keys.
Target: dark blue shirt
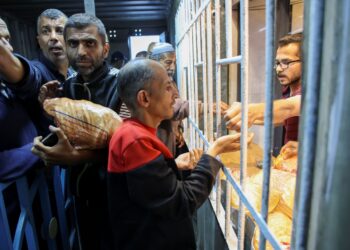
{"x": 17, "y": 134}
{"x": 37, "y": 73}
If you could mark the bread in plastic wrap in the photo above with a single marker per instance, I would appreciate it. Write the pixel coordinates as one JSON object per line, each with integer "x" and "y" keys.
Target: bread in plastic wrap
{"x": 282, "y": 188}
{"x": 232, "y": 159}
{"x": 281, "y": 227}
{"x": 286, "y": 203}
{"x": 288, "y": 165}
{"x": 87, "y": 125}
{"x": 253, "y": 191}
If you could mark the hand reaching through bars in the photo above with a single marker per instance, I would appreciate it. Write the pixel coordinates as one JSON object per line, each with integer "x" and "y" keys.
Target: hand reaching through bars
{"x": 289, "y": 150}
{"x": 188, "y": 160}
{"x": 233, "y": 115}
{"x": 282, "y": 110}
{"x": 227, "y": 143}
{"x": 223, "y": 106}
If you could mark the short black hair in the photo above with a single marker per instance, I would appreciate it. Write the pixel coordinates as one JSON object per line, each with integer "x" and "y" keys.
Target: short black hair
{"x": 133, "y": 77}
{"x": 83, "y": 20}
{"x": 51, "y": 14}
{"x": 292, "y": 38}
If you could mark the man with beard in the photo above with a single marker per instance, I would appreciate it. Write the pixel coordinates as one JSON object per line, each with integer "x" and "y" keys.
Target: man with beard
{"x": 25, "y": 77}
{"x": 87, "y": 50}
{"x": 286, "y": 111}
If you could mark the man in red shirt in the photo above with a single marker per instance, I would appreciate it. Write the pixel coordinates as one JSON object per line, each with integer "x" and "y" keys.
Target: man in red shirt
{"x": 150, "y": 205}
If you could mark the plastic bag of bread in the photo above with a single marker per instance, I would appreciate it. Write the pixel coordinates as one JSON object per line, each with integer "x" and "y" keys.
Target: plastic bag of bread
{"x": 288, "y": 165}
{"x": 278, "y": 179}
{"x": 253, "y": 192}
{"x": 281, "y": 226}
{"x": 87, "y": 125}
{"x": 232, "y": 159}
{"x": 283, "y": 183}
{"x": 286, "y": 203}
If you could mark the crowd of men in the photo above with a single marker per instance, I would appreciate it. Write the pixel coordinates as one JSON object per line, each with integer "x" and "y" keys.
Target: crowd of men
{"x": 122, "y": 201}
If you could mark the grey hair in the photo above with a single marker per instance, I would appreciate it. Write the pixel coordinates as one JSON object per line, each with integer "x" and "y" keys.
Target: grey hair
{"x": 135, "y": 76}
{"x": 82, "y": 20}
{"x": 159, "y": 57}
{"x": 51, "y": 14}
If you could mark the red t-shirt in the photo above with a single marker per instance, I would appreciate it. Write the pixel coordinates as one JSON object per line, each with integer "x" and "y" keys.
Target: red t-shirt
{"x": 134, "y": 145}
{"x": 291, "y": 125}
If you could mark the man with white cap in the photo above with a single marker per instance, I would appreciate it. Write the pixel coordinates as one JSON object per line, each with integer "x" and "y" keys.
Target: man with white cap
{"x": 169, "y": 131}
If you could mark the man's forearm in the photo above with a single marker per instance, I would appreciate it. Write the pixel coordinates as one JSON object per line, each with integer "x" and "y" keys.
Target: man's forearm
{"x": 11, "y": 68}
{"x": 282, "y": 110}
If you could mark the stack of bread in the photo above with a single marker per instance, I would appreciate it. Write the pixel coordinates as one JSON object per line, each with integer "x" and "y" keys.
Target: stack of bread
{"x": 281, "y": 197}
{"x": 87, "y": 125}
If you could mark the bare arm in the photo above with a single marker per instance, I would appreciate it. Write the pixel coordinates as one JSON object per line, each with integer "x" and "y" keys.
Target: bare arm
{"x": 11, "y": 68}
{"x": 282, "y": 110}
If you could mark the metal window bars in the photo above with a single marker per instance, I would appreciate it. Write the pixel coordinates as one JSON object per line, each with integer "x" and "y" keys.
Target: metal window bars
{"x": 194, "y": 44}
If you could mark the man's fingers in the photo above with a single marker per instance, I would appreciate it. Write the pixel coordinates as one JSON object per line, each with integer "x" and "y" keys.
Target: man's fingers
{"x": 234, "y": 123}
{"x": 39, "y": 147}
{"x": 289, "y": 152}
{"x": 60, "y": 134}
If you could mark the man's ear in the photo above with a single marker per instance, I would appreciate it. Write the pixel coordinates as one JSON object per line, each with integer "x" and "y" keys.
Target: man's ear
{"x": 105, "y": 50}
{"x": 143, "y": 98}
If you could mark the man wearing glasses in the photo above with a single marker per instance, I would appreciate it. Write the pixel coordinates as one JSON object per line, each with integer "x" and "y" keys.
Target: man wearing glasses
{"x": 288, "y": 66}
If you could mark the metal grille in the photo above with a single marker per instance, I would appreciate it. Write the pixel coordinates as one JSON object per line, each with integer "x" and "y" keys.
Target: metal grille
{"x": 195, "y": 41}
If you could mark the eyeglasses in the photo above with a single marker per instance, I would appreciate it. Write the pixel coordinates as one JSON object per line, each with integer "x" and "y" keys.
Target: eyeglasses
{"x": 285, "y": 64}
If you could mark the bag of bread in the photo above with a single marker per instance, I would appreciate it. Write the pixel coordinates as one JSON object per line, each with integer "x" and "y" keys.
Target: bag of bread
{"x": 281, "y": 227}
{"x": 288, "y": 165}
{"x": 87, "y": 125}
{"x": 286, "y": 203}
{"x": 232, "y": 159}
{"x": 254, "y": 194}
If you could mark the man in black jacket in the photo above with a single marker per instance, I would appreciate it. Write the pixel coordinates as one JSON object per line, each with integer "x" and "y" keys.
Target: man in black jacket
{"x": 151, "y": 206}
{"x": 87, "y": 49}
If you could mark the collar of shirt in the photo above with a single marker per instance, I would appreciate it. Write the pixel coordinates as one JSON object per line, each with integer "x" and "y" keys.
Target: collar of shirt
{"x": 96, "y": 76}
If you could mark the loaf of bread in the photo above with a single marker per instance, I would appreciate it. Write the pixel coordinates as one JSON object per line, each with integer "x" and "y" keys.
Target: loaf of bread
{"x": 87, "y": 125}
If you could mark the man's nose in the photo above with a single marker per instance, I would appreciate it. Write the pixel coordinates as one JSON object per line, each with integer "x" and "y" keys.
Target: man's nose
{"x": 81, "y": 49}
{"x": 173, "y": 66}
{"x": 53, "y": 35}
{"x": 279, "y": 68}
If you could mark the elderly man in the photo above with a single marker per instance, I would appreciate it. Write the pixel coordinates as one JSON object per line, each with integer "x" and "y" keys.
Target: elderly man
{"x": 150, "y": 205}
{"x": 170, "y": 131}
{"x": 25, "y": 77}
{"x": 96, "y": 81}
